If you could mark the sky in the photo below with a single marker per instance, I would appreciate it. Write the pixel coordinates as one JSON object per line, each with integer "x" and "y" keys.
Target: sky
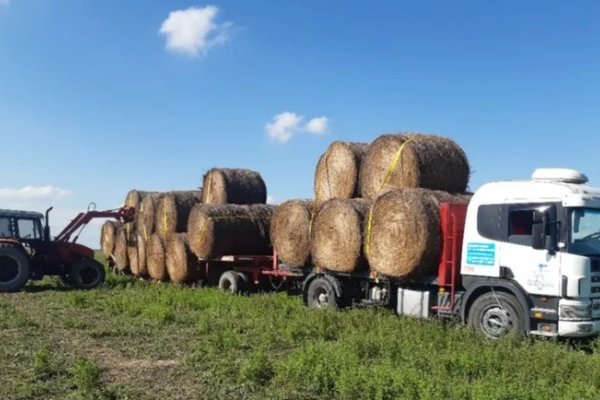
{"x": 100, "y": 97}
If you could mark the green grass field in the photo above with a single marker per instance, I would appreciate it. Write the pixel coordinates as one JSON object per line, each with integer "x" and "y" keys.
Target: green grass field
{"x": 137, "y": 340}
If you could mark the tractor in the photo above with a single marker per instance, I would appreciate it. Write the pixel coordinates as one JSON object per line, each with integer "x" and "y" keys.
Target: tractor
{"x": 27, "y": 251}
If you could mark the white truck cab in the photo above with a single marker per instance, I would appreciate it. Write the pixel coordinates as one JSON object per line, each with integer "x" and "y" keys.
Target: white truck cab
{"x": 537, "y": 241}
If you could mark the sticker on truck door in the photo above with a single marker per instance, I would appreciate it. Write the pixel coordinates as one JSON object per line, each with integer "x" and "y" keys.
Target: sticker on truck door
{"x": 481, "y": 254}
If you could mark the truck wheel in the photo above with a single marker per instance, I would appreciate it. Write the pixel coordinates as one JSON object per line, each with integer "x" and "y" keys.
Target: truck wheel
{"x": 497, "y": 314}
{"x": 14, "y": 269}
{"x": 86, "y": 274}
{"x": 321, "y": 294}
{"x": 232, "y": 281}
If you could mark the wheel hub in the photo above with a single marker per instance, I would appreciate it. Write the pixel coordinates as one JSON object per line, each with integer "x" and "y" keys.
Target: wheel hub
{"x": 9, "y": 269}
{"x": 322, "y": 299}
{"x": 496, "y": 322}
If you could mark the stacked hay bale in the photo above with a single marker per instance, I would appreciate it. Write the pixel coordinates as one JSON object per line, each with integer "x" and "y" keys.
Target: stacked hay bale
{"x": 108, "y": 236}
{"x": 347, "y": 227}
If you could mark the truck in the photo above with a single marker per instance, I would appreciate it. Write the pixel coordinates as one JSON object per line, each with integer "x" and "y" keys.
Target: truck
{"x": 28, "y": 251}
{"x": 522, "y": 257}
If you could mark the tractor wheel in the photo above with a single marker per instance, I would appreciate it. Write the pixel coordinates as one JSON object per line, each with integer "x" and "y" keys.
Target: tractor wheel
{"x": 86, "y": 274}
{"x": 14, "y": 269}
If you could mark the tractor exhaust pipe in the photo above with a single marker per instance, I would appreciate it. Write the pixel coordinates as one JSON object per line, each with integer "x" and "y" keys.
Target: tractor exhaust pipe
{"x": 47, "y": 226}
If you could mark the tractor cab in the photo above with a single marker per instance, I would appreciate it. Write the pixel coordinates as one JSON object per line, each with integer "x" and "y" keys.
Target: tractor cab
{"x": 20, "y": 225}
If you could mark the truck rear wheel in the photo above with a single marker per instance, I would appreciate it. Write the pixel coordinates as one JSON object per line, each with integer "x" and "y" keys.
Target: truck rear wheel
{"x": 321, "y": 294}
{"x": 14, "y": 269}
{"x": 233, "y": 281}
{"x": 86, "y": 274}
{"x": 497, "y": 314}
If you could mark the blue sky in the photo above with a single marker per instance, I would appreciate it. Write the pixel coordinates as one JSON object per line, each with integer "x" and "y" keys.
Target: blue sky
{"x": 98, "y": 97}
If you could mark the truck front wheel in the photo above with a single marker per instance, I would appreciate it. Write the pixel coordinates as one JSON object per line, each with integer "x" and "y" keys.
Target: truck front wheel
{"x": 86, "y": 274}
{"x": 497, "y": 314}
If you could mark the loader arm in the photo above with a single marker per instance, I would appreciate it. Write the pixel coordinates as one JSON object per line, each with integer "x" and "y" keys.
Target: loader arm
{"x": 124, "y": 214}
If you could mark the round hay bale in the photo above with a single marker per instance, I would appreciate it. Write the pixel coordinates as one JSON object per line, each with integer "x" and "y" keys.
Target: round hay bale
{"x": 233, "y": 186}
{"x": 338, "y": 169}
{"x": 182, "y": 265}
{"x": 290, "y": 232}
{"x": 173, "y": 210}
{"x": 228, "y": 229}
{"x": 144, "y": 215}
{"x": 120, "y": 253}
{"x": 155, "y": 258}
{"x": 108, "y": 237}
{"x": 141, "y": 256}
{"x": 405, "y": 237}
{"x": 133, "y": 199}
{"x": 427, "y": 161}
{"x": 337, "y": 234}
{"x": 132, "y": 256}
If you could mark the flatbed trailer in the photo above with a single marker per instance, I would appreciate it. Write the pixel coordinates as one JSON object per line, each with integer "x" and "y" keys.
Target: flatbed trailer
{"x": 238, "y": 274}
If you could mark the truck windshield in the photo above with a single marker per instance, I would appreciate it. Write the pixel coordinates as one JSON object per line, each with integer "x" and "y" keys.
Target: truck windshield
{"x": 585, "y": 231}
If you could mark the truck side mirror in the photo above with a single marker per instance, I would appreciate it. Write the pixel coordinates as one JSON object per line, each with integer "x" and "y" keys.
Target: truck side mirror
{"x": 538, "y": 230}
{"x": 538, "y": 239}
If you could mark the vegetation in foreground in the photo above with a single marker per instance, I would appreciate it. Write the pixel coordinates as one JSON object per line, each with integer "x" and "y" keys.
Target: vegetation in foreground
{"x": 137, "y": 340}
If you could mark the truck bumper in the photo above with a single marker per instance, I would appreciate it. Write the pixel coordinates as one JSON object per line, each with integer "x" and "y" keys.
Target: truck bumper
{"x": 579, "y": 328}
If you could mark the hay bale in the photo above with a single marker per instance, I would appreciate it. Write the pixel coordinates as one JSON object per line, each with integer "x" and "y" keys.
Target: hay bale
{"x": 290, "y": 232}
{"x": 141, "y": 256}
{"x": 228, "y": 229}
{"x": 337, "y": 234}
{"x": 155, "y": 258}
{"x": 405, "y": 232}
{"x": 173, "y": 210}
{"x": 233, "y": 186}
{"x": 338, "y": 169}
{"x": 134, "y": 199}
{"x": 120, "y": 253}
{"x": 132, "y": 256}
{"x": 427, "y": 161}
{"x": 108, "y": 236}
{"x": 182, "y": 265}
{"x": 144, "y": 215}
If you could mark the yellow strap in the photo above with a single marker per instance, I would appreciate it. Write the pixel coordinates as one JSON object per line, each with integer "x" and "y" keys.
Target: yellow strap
{"x": 388, "y": 174}
{"x": 164, "y": 223}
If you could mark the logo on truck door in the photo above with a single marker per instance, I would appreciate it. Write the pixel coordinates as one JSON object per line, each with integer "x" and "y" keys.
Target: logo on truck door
{"x": 481, "y": 254}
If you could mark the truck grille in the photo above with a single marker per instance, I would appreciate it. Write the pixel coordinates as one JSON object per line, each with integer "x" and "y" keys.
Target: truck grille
{"x": 595, "y": 264}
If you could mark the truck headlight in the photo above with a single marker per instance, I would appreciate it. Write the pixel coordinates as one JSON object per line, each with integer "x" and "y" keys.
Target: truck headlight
{"x": 573, "y": 312}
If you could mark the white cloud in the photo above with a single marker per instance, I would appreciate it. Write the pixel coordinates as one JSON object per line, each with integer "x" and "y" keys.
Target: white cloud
{"x": 194, "y": 31}
{"x": 270, "y": 199}
{"x": 285, "y": 125}
{"x": 33, "y": 193}
{"x": 318, "y": 126}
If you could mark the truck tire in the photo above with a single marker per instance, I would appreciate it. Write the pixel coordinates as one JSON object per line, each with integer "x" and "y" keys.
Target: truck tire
{"x": 86, "y": 274}
{"x": 321, "y": 294}
{"x": 232, "y": 281}
{"x": 15, "y": 269}
{"x": 497, "y": 314}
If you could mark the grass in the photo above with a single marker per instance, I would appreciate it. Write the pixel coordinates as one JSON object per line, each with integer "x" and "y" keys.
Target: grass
{"x": 135, "y": 340}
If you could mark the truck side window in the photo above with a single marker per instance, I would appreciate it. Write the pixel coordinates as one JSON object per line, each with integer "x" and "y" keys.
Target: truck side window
{"x": 520, "y": 225}
{"x": 491, "y": 222}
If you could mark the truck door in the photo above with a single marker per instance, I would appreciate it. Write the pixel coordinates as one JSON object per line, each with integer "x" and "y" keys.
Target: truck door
{"x": 537, "y": 271}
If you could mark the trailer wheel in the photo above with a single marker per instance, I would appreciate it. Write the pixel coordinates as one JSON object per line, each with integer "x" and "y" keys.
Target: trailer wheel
{"x": 232, "y": 281}
{"x": 86, "y": 274}
{"x": 497, "y": 314}
{"x": 321, "y": 294}
{"x": 14, "y": 269}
